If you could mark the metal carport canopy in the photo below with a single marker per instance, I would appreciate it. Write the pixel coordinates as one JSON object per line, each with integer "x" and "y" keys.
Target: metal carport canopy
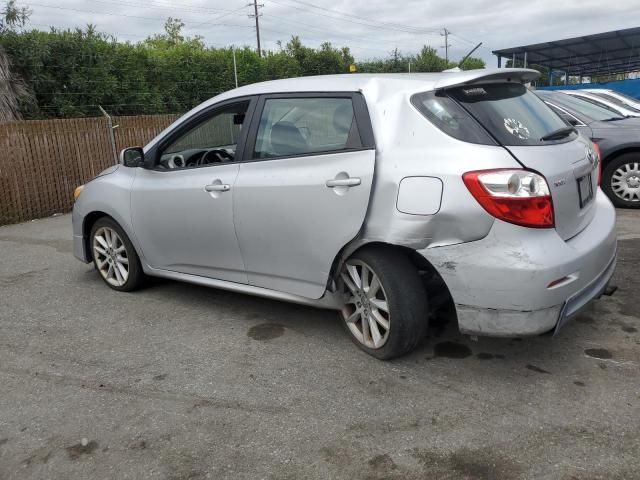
{"x": 608, "y": 53}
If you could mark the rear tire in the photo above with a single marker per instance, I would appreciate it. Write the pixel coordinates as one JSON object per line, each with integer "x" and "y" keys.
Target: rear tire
{"x": 621, "y": 180}
{"x": 114, "y": 256}
{"x": 386, "y": 310}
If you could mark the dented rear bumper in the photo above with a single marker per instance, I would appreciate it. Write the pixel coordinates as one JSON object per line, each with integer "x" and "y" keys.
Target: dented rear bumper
{"x": 503, "y": 285}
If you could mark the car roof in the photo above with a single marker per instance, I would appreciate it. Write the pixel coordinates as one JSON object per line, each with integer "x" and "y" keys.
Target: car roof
{"x": 381, "y": 83}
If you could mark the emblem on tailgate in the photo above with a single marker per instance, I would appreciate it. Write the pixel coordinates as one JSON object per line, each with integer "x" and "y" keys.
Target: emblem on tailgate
{"x": 559, "y": 183}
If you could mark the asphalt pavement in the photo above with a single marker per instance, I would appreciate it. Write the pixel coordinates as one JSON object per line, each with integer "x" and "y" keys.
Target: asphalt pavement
{"x": 184, "y": 382}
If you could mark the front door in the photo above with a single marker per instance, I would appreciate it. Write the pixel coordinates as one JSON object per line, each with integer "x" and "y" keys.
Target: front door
{"x": 303, "y": 191}
{"x": 182, "y": 208}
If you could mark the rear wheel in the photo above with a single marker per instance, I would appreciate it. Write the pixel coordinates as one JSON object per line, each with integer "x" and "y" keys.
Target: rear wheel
{"x": 621, "y": 180}
{"x": 385, "y": 308}
{"x": 114, "y": 256}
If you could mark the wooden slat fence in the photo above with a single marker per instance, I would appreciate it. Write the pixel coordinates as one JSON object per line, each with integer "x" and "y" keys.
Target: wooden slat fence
{"x": 42, "y": 161}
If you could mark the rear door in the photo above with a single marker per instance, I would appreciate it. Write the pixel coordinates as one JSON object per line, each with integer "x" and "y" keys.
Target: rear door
{"x": 522, "y": 123}
{"x": 303, "y": 190}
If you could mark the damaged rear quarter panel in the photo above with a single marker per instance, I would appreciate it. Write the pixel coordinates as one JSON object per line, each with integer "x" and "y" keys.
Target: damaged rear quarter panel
{"x": 408, "y": 145}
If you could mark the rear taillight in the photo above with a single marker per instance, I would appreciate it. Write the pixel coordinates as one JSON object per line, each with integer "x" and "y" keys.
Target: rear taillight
{"x": 596, "y": 147}
{"x": 515, "y": 196}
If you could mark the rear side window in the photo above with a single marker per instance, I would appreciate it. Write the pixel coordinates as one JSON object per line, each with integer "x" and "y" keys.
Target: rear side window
{"x": 510, "y": 112}
{"x": 303, "y": 126}
{"x": 450, "y": 117}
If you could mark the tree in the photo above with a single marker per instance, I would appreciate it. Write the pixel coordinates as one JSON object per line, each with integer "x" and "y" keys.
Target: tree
{"x": 473, "y": 63}
{"x": 428, "y": 60}
{"x": 172, "y": 36}
{"x": 13, "y": 17}
{"x": 12, "y": 88}
{"x": 72, "y": 72}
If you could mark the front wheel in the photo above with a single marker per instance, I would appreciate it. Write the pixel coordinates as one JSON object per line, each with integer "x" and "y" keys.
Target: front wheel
{"x": 385, "y": 309}
{"x": 621, "y": 180}
{"x": 114, "y": 256}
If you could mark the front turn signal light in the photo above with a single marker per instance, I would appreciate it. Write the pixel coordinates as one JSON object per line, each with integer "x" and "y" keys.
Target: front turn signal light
{"x": 77, "y": 192}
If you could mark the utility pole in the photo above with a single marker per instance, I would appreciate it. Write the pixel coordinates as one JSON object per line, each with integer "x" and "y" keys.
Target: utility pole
{"x": 235, "y": 66}
{"x": 445, "y": 34}
{"x": 257, "y": 16}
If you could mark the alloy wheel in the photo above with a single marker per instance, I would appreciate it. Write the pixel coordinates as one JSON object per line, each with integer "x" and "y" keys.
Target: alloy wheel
{"x": 366, "y": 310}
{"x": 625, "y": 182}
{"x": 111, "y": 256}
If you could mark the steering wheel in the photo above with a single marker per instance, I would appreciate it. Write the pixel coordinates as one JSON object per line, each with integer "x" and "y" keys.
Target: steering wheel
{"x": 213, "y": 156}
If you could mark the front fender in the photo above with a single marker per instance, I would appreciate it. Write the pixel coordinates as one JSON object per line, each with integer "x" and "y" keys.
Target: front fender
{"x": 105, "y": 195}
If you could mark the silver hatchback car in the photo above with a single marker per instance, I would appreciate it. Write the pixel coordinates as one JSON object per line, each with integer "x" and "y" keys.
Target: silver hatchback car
{"x": 384, "y": 197}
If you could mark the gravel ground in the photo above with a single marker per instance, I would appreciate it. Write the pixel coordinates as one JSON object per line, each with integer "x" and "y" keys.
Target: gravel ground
{"x": 183, "y": 382}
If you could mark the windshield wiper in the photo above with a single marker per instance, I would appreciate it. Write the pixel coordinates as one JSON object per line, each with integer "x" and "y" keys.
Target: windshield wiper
{"x": 559, "y": 133}
{"x": 614, "y": 119}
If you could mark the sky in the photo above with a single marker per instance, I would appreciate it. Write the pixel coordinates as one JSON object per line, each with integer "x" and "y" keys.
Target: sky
{"x": 371, "y": 28}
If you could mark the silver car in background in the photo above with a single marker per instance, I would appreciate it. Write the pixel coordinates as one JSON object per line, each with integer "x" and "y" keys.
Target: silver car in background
{"x": 619, "y": 108}
{"x": 616, "y": 97}
{"x": 385, "y": 197}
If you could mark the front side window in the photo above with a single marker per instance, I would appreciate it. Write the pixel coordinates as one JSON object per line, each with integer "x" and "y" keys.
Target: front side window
{"x": 213, "y": 140}
{"x": 302, "y": 126}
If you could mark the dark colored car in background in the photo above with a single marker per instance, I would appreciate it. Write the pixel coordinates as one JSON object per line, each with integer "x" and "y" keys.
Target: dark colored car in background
{"x": 617, "y": 137}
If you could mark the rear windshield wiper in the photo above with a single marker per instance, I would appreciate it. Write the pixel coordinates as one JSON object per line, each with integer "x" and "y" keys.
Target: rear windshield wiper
{"x": 559, "y": 133}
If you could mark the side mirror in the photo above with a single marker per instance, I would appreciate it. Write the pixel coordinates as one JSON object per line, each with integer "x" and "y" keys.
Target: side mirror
{"x": 132, "y": 157}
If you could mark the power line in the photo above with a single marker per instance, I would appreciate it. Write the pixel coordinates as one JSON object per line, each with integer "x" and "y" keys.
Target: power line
{"x": 389, "y": 25}
{"x": 57, "y": 7}
{"x": 370, "y": 24}
{"x": 160, "y": 6}
{"x": 329, "y": 33}
{"x": 307, "y": 36}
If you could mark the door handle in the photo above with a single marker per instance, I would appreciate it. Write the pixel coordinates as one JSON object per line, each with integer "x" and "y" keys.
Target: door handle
{"x": 343, "y": 182}
{"x": 217, "y": 187}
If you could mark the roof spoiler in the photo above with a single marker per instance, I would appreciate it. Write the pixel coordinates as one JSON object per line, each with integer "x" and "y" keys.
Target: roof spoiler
{"x": 471, "y": 77}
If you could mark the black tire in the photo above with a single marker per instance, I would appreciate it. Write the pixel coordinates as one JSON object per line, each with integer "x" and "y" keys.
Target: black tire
{"x": 405, "y": 296}
{"x": 136, "y": 276}
{"x": 607, "y": 177}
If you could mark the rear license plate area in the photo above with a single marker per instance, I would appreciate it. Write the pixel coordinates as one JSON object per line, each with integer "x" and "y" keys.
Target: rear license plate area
{"x": 585, "y": 190}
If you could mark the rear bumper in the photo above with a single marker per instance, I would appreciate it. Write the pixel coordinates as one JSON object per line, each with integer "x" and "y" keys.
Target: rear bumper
{"x": 500, "y": 284}
{"x": 580, "y": 300}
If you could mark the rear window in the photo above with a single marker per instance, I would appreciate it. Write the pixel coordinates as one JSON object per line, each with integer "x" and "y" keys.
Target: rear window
{"x": 511, "y": 113}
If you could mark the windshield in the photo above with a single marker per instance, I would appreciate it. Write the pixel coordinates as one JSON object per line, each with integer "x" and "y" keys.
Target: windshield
{"x": 511, "y": 113}
{"x": 595, "y": 112}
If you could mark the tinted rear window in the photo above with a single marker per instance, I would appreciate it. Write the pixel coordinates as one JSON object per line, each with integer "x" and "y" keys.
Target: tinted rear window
{"x": 510, "y": 112}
